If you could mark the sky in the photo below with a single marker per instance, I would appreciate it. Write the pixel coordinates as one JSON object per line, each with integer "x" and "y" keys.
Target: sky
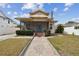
{"x": 62, "y": 12}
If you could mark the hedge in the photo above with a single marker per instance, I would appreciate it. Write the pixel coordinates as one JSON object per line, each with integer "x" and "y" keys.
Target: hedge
{"x": 24, "y": 32}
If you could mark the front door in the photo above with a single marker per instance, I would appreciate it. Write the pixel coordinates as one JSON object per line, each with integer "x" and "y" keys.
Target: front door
{"x": 39, "y": 28}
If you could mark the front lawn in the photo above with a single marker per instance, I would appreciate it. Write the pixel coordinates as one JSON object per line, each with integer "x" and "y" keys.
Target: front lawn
{"x": 66, "y": 45}
{"x": 13, "y": 46}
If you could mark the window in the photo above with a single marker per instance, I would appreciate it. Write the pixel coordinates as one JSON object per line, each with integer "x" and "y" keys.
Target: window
{"x": 28, "y": 25}
{"x": 50, "y": 26}
{"x": 8, "y": 21}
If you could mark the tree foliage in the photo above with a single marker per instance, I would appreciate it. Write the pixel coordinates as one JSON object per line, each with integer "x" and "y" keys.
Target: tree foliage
{"x": 59, "y": 29}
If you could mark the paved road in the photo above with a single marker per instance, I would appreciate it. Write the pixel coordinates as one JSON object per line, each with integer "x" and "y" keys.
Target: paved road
{"x": 40, "y": 46}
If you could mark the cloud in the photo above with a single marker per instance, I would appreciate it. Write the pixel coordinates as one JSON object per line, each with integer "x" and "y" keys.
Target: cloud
{"x": 67, "y": 6}
{"x": 32, "y": 6}
{"x": 62, "y": 14}
{"x": 39, "y": 5}
{"x": 8, "y": 12}
{"x": 25, "y": 15}
{"x": 55, "y": 9}
{"x": 66, "y": 9}
{"x": 28, "y": 6}
{"x": 8, "y": 6}
{"x": 3, "y": 5}
{"x": 15, "y": 13}
{"x": 75, "y": 19}
{"x": 72, "y": 19}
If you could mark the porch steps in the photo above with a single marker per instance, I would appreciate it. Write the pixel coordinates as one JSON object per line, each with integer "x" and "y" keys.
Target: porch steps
{"x": 40, "y": 34}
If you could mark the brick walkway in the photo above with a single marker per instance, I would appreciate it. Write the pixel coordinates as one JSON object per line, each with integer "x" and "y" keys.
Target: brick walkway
{"x": 40, "y": 46}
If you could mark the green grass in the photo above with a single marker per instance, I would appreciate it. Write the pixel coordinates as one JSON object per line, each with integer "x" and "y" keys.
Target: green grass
{"x": 12, "y": 46}
{"x": 66, "y": 45}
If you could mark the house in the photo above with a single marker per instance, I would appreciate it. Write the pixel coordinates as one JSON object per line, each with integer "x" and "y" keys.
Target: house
{"x": 71, "y": 27}
{"x": 7, "y": 26}
{"x": 71, "y": 23}
{"x": 39, "y": 21}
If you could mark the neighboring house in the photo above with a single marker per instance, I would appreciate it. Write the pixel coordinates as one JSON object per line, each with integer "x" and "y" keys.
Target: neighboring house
{"x": 7, "y": 26}
{"x": 71, "y": 23}
{"x": 39, "y": 21}
{"x": 71, "y": 27}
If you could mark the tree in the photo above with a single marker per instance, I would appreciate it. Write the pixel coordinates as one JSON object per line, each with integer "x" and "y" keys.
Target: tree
{"x": 59, "y": 29}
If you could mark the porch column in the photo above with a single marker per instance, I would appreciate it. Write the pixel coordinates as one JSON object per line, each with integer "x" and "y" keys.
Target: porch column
{"x": 49, "y": 25}
{"x": 25, "y": 27}
{"x": 20, "y": 25}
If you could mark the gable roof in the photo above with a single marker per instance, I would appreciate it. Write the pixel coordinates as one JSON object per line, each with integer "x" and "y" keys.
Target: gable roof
{"x": 71, "y": 23}
{"x": 39, "y": 11}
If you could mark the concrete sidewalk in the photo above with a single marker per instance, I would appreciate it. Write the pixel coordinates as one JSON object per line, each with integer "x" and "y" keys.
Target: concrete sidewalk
{"x": 40, "y": 46}
{"x": 4, "y": 37}
{"x": 30, "y": 37}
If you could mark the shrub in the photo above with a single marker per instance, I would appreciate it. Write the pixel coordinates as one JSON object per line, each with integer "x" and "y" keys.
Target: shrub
{"x": 47, "y": 33}
{"x": 76, "y": 27}
{"x": 59, "y": 29}
{"x": 24, "y": 32}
